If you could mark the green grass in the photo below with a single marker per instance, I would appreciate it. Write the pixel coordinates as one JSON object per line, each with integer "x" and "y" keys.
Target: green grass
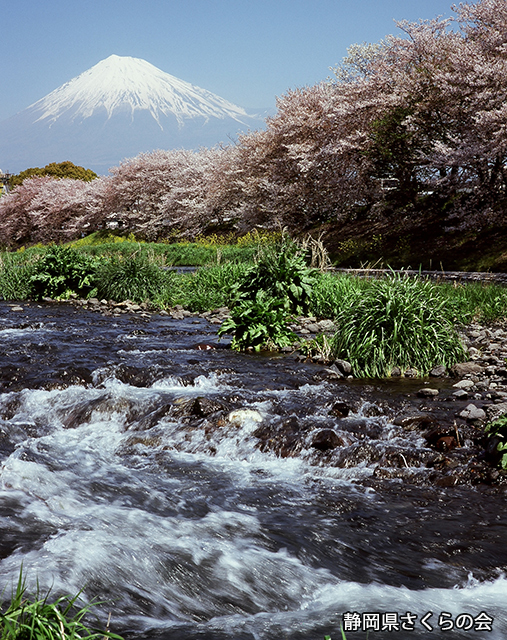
{"x": 196, "y": 254}
{"x": 15, "y": 273}
{"x": 26, "y": 618}
{"x": 136, "y": 277}
{"x": 474, "y": 301}
{"x": 210, "y": 287}
{"x": 396, "y": 322}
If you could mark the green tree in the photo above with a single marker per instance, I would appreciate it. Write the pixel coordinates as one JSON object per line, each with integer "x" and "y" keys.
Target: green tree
{"x": 65, "y": 169}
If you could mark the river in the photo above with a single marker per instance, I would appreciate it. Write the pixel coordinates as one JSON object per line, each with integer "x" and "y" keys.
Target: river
{"x": 132, "y": 464}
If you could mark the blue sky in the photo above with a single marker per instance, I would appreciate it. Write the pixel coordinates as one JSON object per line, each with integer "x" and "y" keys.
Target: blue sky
{"x": 247, "y": 51}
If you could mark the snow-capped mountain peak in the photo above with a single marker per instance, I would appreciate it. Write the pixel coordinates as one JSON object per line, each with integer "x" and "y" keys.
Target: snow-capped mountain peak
{"x": 117, "y": 109}
{"x": 121, "y": 83}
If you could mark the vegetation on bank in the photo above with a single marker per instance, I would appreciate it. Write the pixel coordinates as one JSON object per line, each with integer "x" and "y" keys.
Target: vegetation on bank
{"x": 381, "y": 324}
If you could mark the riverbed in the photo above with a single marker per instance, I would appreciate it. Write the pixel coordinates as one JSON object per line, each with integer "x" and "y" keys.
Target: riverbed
{"x": 183, "y": 486}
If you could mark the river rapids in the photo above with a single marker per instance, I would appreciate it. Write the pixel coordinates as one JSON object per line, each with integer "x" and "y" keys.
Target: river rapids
{"x": 140, "y": 465}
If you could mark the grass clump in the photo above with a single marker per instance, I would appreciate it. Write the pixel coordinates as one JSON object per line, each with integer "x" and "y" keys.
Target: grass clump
{"x": 38, "y": 619}
{"x": 136, "y": 277}
{"x": 210, "y": 287}
{"x": 474, "y": 301}
{"x": 15, "y": 274}
{"x": 396, "y": 322}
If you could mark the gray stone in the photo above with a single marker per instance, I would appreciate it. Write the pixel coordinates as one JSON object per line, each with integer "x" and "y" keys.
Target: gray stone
{"x": 326, "y": 325}
{"x": 466, "y": 368}
{"x": 17, "y": 309}
{"x": 438, "y": 371}
{"x": 344, "y": 366}
{"x": 460, "y": 394}
{"x": 312, "y": 328}
{"x": 494, "y": 411}
{"x": 464, "y": 384}
{"x": 427, "y": 392}
{"x": 472, "y": 413}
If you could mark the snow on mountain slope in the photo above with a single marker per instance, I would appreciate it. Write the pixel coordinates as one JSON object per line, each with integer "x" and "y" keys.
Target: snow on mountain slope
{"x": 119, "y": 108}
{"x": 118, "y": 82}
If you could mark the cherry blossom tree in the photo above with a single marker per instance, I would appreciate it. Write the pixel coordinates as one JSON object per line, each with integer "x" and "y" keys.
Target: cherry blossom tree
{"x": 45, "y": 209}
{"x": 161, "y": 191}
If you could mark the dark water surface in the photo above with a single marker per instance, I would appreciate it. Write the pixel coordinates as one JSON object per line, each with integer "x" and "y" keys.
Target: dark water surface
{"x": 129, "y": 464}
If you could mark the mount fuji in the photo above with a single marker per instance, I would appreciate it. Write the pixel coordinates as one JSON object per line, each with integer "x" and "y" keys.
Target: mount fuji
{"x": 119, "y": 108}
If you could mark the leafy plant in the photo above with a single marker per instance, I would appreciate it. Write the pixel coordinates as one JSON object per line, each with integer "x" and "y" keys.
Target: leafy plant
{"x": 62, "y": 271}
{"x": 24, "y": 619}
{"x": 397, "y": 321}
{"x": 281, "y": 271}
{"x": 498, "y": 435}
{"x": 259, "y": 324}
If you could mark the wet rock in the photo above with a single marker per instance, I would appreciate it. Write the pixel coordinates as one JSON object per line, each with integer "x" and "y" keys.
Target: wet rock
{"x": 204, "y": 407}
{"x": 17, "y": 309}
{"x": 344, "y": 366}
{"x": 361, "y": 428}
{"x": 326, "y": 439}
{"x": 466, "y": 368}
{"x": 417, "y": 422}
{"x": 427, "y": 392}
{"x": 446, "y": 443}
{"x": 472, "y": 413}
{"x": 329, "y": 373}
{"x": 285, "y": 439}
{"x": 438, "y": 372}
{"x": 340, "y": 409}
{"x": 152, "y": 418}
{"x": 240, "y": 416}
{"x": 460, "y": 394}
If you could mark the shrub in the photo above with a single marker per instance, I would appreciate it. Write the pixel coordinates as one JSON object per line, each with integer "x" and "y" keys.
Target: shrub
{"x": 397, "y": 321}
{"x": 259, "y": 324}
{"x": 62, "y": 271}
{"x": 281, "y": 271}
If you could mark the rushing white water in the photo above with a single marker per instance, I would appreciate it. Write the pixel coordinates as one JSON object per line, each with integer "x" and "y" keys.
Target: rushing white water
{"x": 187, "y": 529}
